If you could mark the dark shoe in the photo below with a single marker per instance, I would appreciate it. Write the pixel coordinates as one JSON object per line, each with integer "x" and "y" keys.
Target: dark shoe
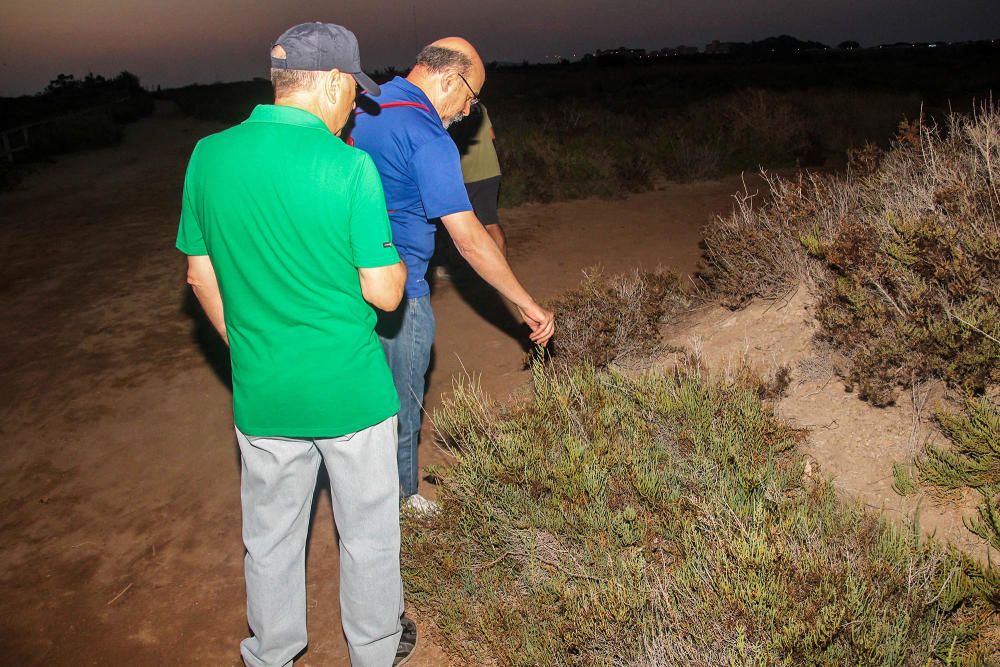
{"x": 407, "y": 642}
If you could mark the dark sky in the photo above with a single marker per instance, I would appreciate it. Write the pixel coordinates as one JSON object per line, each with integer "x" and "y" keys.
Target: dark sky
{"x": 176, "y": 42}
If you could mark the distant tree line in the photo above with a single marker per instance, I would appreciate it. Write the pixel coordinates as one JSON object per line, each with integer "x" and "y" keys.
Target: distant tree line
{"x": 70, "y": 114}
{"x": 123, "y": 94}
{"x": 781, "y": 45}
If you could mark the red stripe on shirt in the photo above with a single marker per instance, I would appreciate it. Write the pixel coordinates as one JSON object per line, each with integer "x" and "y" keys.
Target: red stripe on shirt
{"x": 389, "y": 105}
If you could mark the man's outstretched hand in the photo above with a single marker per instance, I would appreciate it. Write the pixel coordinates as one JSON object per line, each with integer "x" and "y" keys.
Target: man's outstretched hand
{"x": 541, "y": 321}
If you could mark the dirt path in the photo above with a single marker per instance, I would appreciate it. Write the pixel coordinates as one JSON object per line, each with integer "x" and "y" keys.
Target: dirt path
{"x": 121, "y": 531}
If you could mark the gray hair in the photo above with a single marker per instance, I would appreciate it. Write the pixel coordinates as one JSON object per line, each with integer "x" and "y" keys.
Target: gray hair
{"x": 288, "y": 81}
{"x": 438, "y": 59}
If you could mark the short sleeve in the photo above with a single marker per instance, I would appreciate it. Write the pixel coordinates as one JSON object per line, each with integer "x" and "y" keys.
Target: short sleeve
{"x": 190, "y": 236}
{"x": 437, "y": 170}
{"x": 371, "y": 235}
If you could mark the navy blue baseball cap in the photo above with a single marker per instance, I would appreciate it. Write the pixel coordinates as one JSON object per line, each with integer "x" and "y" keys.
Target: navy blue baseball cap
{"x": 321, "y": 47}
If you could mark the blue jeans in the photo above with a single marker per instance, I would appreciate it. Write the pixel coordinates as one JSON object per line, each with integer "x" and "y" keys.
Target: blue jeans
{"x": 407, "y": 335}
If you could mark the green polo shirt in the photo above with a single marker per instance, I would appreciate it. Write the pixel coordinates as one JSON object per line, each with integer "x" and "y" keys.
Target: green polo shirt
{"x": 288, "y": 214}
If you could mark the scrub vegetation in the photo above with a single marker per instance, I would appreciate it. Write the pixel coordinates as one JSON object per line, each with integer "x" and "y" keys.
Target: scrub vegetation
{"x": 668, "y": 520}
{"x": 971, "y": 460}
{"x": 570, "y": 131}
{"x": 615, "y": 319}
{"x": 637, "y": 133}
{"x": 580, "y": 149}
{"x": 904, "y": 251}
{"x": 577, "y": 130}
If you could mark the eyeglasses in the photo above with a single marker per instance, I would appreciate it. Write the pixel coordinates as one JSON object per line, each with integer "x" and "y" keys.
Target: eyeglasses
{"x": 475, "y": 96}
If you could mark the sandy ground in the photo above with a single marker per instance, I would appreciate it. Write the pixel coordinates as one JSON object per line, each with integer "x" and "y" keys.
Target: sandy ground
{"x": 119, "y": 475}
{"x": 850, "y": 442}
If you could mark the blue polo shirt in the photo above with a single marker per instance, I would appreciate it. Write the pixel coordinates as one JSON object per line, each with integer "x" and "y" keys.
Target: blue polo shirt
{"x": 420, "y": 168}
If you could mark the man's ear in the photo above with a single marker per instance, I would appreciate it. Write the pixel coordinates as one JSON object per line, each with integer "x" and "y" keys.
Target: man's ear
{"x": 333, "y": 85}
{"x": 448, "y": 79}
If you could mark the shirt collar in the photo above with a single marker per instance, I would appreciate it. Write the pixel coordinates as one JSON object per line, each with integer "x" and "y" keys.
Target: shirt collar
{"x": 412, "y": 90}
{"x": 273, "y": 113}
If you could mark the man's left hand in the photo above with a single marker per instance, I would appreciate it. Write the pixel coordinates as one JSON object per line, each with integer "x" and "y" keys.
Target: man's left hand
{"x": 542, "y": 322}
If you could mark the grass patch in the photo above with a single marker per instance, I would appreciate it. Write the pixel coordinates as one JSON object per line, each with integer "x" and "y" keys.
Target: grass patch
{"x": 579, "y": 149}
{"x": 667, "y": 520}
{"x": 972, "y": 460}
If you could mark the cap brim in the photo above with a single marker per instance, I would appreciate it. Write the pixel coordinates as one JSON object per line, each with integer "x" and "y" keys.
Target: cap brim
{"x": 365, "y": 82}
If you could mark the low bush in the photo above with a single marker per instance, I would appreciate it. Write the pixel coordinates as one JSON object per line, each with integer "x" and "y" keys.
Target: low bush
{"x": 70, "y": 115}
{"x": 9, "y": 176}
{"x": 904, "y": 254}
{"x": 88, "y": 130}
{"x": 612, "y": 133}
{"x": 224, "y": 102}
{"x": 615, "y": 319}
{"x": 762, "y": 248}
{"x": 915, "y": 288}
{"x": 667, "y": 520}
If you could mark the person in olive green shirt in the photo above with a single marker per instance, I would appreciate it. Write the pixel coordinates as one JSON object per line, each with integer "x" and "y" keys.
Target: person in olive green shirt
{"x": 481, "y": 169}
{"x": 289, "y": 247}
{"x": 474, "y": 137}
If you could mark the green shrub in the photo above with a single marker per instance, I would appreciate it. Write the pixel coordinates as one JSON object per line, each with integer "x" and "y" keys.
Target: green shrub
{"x": 667, "y": 520}
{"x": 614, "y": 319}
{"x": 971, "y": 461}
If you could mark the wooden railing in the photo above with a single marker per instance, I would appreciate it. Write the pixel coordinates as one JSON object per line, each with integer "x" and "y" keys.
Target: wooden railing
{"x": 19, "y": 138}
{"x": 14, "y": 140}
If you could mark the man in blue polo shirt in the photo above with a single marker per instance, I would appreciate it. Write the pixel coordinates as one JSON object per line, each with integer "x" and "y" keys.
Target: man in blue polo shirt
{"x": 403, "y": 129}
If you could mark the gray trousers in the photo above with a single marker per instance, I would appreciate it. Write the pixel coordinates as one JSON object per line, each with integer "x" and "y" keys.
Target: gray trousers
{"x": 277, "y": 486}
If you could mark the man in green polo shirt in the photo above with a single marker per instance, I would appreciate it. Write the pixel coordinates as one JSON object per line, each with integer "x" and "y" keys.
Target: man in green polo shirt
{"x": 288, "y": 242}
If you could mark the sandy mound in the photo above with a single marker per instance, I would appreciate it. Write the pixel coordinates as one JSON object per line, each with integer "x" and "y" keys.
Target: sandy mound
{"x": 851, "y": 442}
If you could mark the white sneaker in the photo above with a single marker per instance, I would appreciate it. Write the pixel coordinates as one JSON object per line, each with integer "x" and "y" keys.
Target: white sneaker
{"x": 420, "y": 505}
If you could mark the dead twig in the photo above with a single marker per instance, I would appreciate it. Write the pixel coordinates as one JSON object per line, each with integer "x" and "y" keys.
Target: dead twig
{"x": 973, "y": 327}
{"x": 123, "y": 592}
